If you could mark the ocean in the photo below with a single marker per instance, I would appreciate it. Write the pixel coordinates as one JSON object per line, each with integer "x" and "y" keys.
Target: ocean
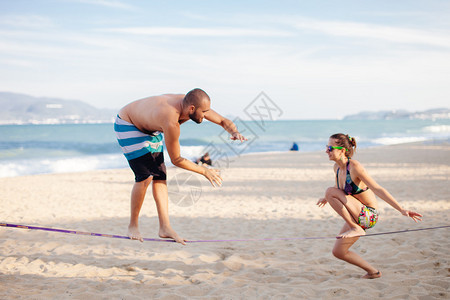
{"x": 41, "y": 149}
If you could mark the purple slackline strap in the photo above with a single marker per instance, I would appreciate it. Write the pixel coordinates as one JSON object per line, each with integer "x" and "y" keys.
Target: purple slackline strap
{"x": 78, "y": 232}
{"x": 206, "y": 241}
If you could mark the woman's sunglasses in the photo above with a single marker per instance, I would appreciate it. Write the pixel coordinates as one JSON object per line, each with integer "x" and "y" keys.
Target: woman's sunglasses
{"x": 330, "y": 148}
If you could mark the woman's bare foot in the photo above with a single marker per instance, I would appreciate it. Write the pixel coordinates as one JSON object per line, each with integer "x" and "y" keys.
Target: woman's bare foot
{"x": 372, "y": 275}
{"x": 354, "y": 232}
{"x": 169, "y": 233}
{"x": 134, "y": 234}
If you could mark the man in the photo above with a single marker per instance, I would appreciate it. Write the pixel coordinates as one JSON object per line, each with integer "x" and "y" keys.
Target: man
{"x": 138, "y": 128}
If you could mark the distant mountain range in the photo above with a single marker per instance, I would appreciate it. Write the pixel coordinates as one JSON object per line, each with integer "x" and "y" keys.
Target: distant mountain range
{"x": 24, "y": 109}
{"x": 431, "y": 114}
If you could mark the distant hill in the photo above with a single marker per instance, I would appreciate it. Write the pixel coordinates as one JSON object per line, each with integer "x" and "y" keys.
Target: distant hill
{"x": 431, "y": 114}
{"x": 24, "y": 109}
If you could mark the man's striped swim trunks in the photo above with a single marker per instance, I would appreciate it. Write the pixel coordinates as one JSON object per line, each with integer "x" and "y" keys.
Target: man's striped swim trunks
{"x": 143, "y": 151}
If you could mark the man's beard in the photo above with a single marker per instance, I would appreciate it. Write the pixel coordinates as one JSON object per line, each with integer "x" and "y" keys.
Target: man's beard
{"x": 195, "y": 119}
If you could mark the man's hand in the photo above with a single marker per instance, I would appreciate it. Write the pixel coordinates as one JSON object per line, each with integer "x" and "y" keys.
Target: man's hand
{"x": 237, "y": 136}
{"x": 213, "y": 175}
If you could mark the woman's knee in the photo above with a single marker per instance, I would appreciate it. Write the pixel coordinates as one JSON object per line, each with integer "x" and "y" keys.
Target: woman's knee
{"x": 330, "y": 193}
{"x": 339, "y": 253}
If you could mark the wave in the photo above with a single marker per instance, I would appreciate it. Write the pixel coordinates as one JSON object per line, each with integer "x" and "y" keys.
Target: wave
{"x": 49, "y": 164}
{"x": 437, "y": 129}
{"x": 398, "y": 140}
{"x": 14, "y": 168}
{"x": 190, "y": 152}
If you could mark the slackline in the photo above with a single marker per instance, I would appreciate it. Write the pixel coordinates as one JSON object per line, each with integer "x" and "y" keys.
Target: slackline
{"x": 207, "y": 241}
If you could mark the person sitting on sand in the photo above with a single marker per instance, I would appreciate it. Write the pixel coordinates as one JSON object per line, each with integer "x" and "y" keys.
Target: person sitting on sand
{"x": 139, "y": 127}
{"x": 294, "y": 147}
{"x": 353, "y": 198}
{"x": 204, "y": 160}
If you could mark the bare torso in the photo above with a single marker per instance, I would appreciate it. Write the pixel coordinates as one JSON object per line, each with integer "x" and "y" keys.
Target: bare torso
{"x": 367, "y": 198}
{"x": 149, "y": 114}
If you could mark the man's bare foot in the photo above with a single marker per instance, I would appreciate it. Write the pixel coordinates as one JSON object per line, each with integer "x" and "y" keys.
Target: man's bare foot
{"x": 372, "y": 275}
{"x": 134, "y": 234}
{"x": 354, "y": 232}
{"x": 169, "y": 233}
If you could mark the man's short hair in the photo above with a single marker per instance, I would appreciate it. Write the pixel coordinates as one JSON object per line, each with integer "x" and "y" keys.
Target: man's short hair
{"x": 195, "y": 97}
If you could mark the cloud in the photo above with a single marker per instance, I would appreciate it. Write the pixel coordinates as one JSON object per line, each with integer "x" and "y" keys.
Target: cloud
{"x": 25, "y": 21}
{"x": 18, "y": 63}
{"x": 108, "y": 3}
{"x": 290, "y": 57}
{"x": 205, "y": 32}
{"x": 372, "y": 31}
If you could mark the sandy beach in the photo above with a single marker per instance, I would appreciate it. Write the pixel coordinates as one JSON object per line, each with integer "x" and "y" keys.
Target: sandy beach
{"x": 263, "y": 196}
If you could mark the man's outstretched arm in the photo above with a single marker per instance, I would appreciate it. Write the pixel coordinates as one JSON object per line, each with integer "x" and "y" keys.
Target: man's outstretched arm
{"x": 171, "y": 137}
{"x": 227, "y": 124}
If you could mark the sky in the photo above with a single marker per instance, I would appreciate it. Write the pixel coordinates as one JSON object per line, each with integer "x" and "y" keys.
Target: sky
{"x": 314, "y": 59}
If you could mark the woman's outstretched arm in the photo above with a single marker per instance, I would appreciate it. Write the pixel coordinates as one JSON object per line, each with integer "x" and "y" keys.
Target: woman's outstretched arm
{"x": 381, "y": 192}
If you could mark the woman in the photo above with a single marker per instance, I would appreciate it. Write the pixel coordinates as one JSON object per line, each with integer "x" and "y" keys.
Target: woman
{"x": 353, "y": 198}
